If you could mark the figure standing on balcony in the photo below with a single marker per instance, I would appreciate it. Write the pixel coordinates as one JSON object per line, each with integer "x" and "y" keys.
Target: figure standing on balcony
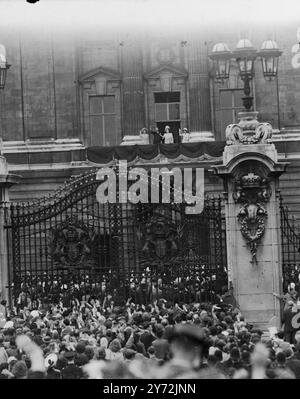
{"x": 157, "y": 136}
{"x": 168, "y": 136}
{"x": 144, "y": 135}
{"x": 185, "y": 135}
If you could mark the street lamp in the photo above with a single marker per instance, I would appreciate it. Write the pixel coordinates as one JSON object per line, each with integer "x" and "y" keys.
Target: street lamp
{"x": 221, "y": 56}
{"x": 3, "y": 66}
{"x": 248, "y": 130}
{"x": 245, "y": 54}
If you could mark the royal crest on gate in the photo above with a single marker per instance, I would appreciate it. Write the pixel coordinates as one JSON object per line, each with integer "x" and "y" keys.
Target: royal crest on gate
{"x": 160, "y": 240}
{"x": 70, "y": 244}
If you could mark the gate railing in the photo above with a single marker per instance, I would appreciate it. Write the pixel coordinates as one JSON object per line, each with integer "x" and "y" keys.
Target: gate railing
{"x": 67, "y": 245}
{"x": 290, "y": 246}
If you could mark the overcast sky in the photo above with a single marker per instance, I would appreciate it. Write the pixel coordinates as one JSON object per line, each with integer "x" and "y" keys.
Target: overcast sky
{"x": 165, "y": 14}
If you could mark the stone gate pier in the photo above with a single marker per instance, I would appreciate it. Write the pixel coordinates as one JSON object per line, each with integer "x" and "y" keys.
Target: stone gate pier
{"x": 250, "y": 172}
{"x": 6, "y": 180}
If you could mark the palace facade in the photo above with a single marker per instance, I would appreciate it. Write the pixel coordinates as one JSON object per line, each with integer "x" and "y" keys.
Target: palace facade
{"x": 69, "y": 96}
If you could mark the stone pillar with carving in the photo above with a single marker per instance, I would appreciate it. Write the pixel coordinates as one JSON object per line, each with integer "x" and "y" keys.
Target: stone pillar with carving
{"x": 6, "y": 181}
{"x": 251, "y": 171}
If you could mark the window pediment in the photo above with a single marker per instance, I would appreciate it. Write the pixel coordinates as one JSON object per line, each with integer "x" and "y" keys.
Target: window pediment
{"x": 166, "y": 70}
{"x": 100, "y": 72}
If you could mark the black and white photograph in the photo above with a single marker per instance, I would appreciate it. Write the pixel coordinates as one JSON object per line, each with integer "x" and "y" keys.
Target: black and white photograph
{"x": 149, "y": 193}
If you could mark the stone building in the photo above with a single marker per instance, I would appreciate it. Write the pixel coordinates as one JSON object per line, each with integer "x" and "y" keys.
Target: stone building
{"x": 65, "y": 94}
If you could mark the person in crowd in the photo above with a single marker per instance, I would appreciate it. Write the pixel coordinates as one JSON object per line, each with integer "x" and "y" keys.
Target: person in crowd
{"x": 288, "y": 314}
{"x": 161, "y": 339}
{"x": 71, "y": 371}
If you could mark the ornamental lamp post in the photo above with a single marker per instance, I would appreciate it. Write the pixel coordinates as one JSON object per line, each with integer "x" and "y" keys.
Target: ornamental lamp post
{"x": 249, "y": 129}
{"x": 3, "y": 66}
{"x": 245, "y": 54}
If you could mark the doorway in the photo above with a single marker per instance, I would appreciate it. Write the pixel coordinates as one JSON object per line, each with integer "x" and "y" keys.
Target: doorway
{"x": 174, "y": 128}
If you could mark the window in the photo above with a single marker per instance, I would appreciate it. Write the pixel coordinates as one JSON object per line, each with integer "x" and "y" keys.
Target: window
{"x": 167, "y": 106}
{"x": 167, "y": 112}
{"x": 230, "y": 104}
{"x": 103, "y": 120}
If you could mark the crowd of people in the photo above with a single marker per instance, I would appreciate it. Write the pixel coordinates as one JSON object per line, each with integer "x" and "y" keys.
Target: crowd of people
{"x": 95, "y": 338}
{"x": 195, "y": 284}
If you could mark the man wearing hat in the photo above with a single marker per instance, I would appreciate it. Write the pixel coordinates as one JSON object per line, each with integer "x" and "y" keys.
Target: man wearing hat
{"x": 71, "y": 371}
{"x": 288, "y": 314}
{"x": 188, "y": 345}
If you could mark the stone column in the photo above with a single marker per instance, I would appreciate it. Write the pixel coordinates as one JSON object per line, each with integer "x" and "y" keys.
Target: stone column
{"x": 251, "y": 172}
{"x": 6, "y": 181}
{"x": 199, "y": 88}
{"x": 133, "y": 88}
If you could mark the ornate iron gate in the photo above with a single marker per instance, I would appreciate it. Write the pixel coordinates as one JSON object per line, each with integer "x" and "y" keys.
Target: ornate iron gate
{"x": 290, "y": 248}
{"x": 68, "y": 245}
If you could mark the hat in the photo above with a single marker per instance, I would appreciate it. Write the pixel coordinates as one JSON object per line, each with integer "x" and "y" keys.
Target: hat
{"x": 191, "y": 332}
{"x": 128, "y": 353}
{"x": 35, "y": 313}
{"x": 51, "y": 360}
{"x": 47, "y": 339}
{"x": 69, "y": 355}
{"x": 8, "y": 324}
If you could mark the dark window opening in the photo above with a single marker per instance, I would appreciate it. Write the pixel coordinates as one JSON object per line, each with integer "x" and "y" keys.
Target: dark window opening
{"x": 167, "y": 112}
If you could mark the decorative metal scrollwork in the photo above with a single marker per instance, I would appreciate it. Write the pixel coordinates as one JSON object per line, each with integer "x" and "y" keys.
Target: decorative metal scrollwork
{"x": 252, "y": 190}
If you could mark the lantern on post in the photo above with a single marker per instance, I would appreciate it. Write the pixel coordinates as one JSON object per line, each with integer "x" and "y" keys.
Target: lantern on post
{"x": 269, "y": 54}
{"x": 245, "y": 54}
{"x": 221, "y": 56}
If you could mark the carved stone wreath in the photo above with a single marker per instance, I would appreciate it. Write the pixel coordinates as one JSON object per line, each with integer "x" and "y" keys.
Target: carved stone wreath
{"x": 252, "y": 228}
{"x": 251, "y": 190}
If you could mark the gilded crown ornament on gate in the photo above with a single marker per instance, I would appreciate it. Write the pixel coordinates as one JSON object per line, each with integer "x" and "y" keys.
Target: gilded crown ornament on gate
{"x": 251, "y": 191}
